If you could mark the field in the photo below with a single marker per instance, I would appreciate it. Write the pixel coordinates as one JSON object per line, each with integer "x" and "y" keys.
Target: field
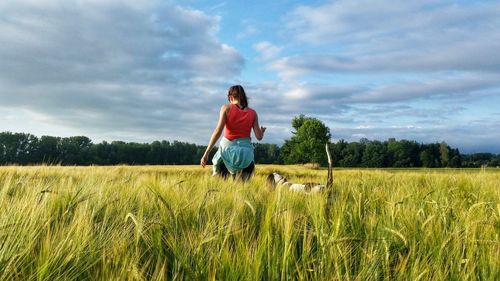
{"x": 179, "y": 223}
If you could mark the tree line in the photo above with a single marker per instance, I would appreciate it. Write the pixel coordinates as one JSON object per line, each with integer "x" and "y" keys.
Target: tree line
{"x": 310, "y": 134}
{"x": 303, "y": 147}
{"x": 28, "y": 149}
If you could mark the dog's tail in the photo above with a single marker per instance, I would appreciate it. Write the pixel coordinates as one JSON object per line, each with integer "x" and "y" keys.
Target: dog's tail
{"x": 329, "y": 182}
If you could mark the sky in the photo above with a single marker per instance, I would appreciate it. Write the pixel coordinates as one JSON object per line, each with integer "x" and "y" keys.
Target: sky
{"x": 145, "y": 70}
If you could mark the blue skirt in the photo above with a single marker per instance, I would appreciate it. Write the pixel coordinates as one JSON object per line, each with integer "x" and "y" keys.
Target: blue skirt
{"x": 236, "y": 155}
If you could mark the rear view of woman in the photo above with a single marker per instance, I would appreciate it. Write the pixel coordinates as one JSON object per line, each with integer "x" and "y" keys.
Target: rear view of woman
{"x": 235, "y": 154}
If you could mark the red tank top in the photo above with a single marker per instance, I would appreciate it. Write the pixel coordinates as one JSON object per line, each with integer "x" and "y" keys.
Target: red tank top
{"x": 239, "y": 122}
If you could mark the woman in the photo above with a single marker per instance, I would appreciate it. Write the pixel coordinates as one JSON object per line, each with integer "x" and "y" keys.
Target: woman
{"x": 235, "y": 153}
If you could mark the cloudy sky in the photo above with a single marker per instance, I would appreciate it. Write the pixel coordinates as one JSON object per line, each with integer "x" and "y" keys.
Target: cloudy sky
{"x": 144, "y": 70}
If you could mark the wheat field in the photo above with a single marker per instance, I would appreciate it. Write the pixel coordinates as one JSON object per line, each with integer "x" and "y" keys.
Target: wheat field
{"x": 179, "y": 223}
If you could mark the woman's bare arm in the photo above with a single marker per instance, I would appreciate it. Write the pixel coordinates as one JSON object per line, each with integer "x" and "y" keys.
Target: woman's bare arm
{"x": 215, "y": 135}
{"x": 257, "y": 129}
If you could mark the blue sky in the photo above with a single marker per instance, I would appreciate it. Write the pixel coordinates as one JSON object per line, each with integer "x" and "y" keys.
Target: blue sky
{"x": 150, "y": 70}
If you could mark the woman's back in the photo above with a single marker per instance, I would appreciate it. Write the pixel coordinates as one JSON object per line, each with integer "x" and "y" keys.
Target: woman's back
{"x": 235, "y": 154}
{"x": 239, "y": 122}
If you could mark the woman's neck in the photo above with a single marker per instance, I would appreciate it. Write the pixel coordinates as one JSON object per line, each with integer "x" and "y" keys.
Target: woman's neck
{"x": 238, "y": 105}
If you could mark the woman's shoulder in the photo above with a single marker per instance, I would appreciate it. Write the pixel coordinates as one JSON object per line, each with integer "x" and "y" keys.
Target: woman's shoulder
{"x": 225, "y": 106}
{"x": 253, "y": 110}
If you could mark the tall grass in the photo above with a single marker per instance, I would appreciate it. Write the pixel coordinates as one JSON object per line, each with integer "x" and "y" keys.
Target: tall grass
{"x": 179, "y": 223}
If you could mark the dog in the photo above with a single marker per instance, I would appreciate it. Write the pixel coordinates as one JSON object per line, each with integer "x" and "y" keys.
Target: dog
{"x": 275, "y": 180}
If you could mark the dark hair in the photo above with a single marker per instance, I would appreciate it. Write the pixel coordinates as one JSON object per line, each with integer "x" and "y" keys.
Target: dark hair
{"x": 238, "y": 93}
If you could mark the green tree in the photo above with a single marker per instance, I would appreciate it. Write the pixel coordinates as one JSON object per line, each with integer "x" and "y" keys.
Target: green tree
{"x": 375, "y": 155}
{"x": 455, "y": 159}
{"x": 49, "y": 149}
{"x": 266, "y": 153}
{"x": 444, "y": 151}
{"x": 336, "y": 151}
{"x": 308, "y": 141}
{"x": 403, "y": 153}
{"x": 495, "y": 161}
{"x": 18, "y": 148}
{"x": 75, "y": 150}
{"x": 429, "y": 156}
{"x": 352, "y": 154}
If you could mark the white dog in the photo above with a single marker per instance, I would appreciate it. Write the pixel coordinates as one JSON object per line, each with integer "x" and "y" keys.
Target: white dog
{"x": 276, "y": 180}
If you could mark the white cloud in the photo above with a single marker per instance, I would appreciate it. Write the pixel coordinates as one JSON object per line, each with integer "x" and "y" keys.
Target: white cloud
{"x": 267, "y": 50}
{"x": 143, "y": 69}
{"x": 384, "y": 69}
{"x": 247, "y": 29}
{"x": 395, "y": 36}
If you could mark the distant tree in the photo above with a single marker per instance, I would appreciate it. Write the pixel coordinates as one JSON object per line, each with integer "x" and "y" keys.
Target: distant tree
{"x": 18, "y": 148}
{"x": 495, "y": 161}
{"x": 306, "y": 145}
{"x": 336, "y": 151}
{"x": 375, "y": 155}
{"x": 75, "y": 150}
{"x": 165, "y": 150}
{"x": 430, "y": 156}
{"x": 308, "y": 141}
{"x": 477, "y": 159}
{"x": 100, "y": 153}
{"x": 155, "y": 153}
{"x": 444, "y": 153}
{"x": 455, "y": 158}
{"x": 427, "y": 158}
{"x": 49, "y": 149}
{"x": 403, "y": 153}
{"x": 267, "y": 153}
{"x": 183, "y": 152}
{"x": 352, "y": 155}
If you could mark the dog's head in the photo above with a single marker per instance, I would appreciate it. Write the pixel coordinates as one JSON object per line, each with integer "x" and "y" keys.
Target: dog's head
{"x": 274, "y": 179}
